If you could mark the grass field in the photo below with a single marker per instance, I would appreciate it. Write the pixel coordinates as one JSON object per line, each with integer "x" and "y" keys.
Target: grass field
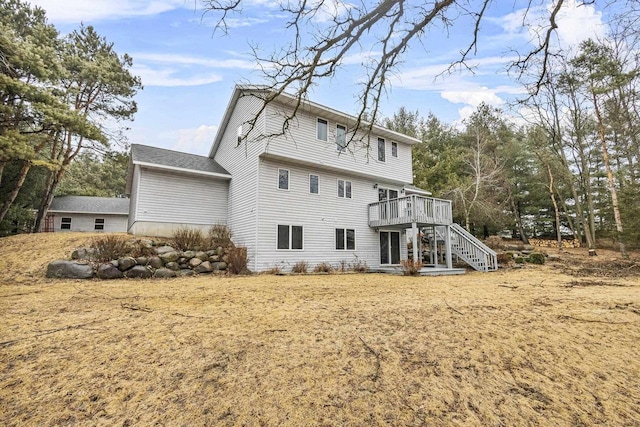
{"x": 557, "y": 344}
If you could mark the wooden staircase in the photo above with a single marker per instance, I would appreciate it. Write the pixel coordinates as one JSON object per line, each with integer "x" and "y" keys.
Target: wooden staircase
{"x": 469, "y": 249}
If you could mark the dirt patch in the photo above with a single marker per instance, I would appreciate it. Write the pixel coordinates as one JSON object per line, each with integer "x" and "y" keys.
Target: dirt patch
{"x": 514, "y": 347}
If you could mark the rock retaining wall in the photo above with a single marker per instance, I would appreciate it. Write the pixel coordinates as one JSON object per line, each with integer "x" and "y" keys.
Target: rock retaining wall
{"x": 163, "y": 261}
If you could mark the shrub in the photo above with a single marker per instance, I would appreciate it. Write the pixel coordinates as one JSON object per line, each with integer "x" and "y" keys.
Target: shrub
{"x": 359, "y": 266}
{"x": 411, "y": 267}
{"x": 535, "y": 258}
{"x": 518, "y": 260}
{"x": 276, "y": 269}
{"x": 219, "y": 235}
{"x": 324, "y": 267}
{"x": 186, "y": 238}
{"x": 110, "y": 247}
{"x": 238, "y": 260}
{"x": 494, "y": 242}
{"x": 505, "y": 258}
{"x": 300, "y": 267}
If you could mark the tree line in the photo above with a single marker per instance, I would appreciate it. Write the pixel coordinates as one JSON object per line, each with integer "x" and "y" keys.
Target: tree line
{"x": 59, "y": 97}
{"x": 571, "y": 168}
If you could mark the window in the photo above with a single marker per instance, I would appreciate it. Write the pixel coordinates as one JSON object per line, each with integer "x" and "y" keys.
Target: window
{"x": 313, "y": 184}
{"x": 345, "y": 239}
{"x": 290, "y": 237}
{"x": 344, "y": 189}
{"x": 341, "y": 137}
{"x": 382, "y": 148}
{"x": 283, "y": 179}
{"x": 321, "y": 129}
{"x": 394, "y": 149}
{"x": 239, "y": 134}
{"x": 65, "y": 224}
{"x": 99, "y": 224}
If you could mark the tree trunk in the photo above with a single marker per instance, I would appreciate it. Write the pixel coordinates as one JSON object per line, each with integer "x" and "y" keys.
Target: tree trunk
{"x": 610, "y": 178}
{"x": 555, "y": 207}
{"x": 22, "y": 175}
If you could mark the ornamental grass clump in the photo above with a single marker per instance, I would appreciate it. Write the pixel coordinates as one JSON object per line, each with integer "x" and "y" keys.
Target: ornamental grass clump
{"x": 300, "y": 267}
{"x": 110, "y": 247}
{"x": 187, "y": 238}
{"x": 238, "y": 260}
{"x": 411, "y": 267}
{"x": 219, "y": 236}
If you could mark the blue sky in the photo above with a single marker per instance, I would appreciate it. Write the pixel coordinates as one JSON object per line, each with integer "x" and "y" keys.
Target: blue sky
{"x": 188, "y": 72}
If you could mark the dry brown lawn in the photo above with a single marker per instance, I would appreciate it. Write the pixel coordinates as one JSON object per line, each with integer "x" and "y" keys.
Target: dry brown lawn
{"x": 557, "y": 344}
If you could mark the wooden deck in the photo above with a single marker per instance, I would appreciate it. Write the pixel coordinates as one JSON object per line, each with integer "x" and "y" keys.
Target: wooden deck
{"x": 407, "y": 210}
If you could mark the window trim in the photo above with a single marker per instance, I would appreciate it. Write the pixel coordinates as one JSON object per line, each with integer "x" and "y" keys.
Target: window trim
{"x": 344, "y": 148}
{"x": 394, "y": 149}
{"x": 290, "y": 234}
{"x": 384, "y": 152}
{"x": 98, "y": 222}
{"x": 345, "y": 239}
{"x": 317, "y": 184}
{"x": 288, "y": 179}
{"x": 65, "y": 223}
{"x": 344, "y": 189}
{"x": 326, "y": 123}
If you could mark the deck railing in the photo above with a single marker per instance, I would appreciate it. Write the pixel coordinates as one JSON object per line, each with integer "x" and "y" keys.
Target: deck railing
{"x": 409, "y": 209}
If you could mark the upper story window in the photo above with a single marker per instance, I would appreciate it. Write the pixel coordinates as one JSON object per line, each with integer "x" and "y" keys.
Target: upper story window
{"x": 99, "y": 224}
{"x": 341, "y": 137}
{"x": 321, "y": 129}
{"x": 382, "y": 150}
{"x": 314, "y": 184}
{"x": 239, "y": 131}
{"x": 394, "y": 149}
{"x": 283, "y": 179}
{"x": 344, "y": 189}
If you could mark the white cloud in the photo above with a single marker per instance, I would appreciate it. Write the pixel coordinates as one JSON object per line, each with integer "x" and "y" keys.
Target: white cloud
{"x": 473, "y": 97}
{"x": 196, "y": 141}
{"x": 171, "y": 58}
{"x": 75, "y": 11}
{"x": 171, "y": 77}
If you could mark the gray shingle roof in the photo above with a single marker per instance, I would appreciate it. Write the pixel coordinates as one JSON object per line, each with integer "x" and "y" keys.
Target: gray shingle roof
{"x": 88, "y": 204}
{"x": 174, "y": 159}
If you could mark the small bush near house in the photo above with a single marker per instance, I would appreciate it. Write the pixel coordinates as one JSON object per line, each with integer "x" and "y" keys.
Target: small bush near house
{"x": 187, "y": 238}
{"x": 110, "y": 247}
{"x": 276, "y": 269}
{"x": 505, "y": 258}
{"x": 324, "y": 267}
{"x": 411, "y": 267}
{"x": 300, "y": 267}
{"x": 359, "y": 266}
{"x": 535, "y": 258}
{"x": 238, "y": 260}
{"x": 219, "y": 235}
{"x": 494, "y": 242}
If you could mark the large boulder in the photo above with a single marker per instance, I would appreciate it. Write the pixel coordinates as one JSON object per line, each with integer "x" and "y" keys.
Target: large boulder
{"x": 61, "y": 269}
{"x": 139, "y": 271}
{"x": 194, "y": 262}
{"x": 219, "y": 265}
{"x": 126, "y": 263}
{"x": 142, "y": 260}
{"x": 202, "y": 255}
{"x": 164, "y": 249}
{"x": 84, "y": 253}
{"x": 188, "y": 254}
{"x": 164, "y": 272}
{"x": 169, "y": 256}
{"x": 109, "y": 271}
{"x": 185, "y": 272}
{"x": 172, "y": 266}
{"x": 155, "y": 262}
{"x": 204, "y": 267}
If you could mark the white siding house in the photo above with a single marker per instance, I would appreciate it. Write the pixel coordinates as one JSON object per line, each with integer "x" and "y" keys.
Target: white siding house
{"x": 302, "y": 194}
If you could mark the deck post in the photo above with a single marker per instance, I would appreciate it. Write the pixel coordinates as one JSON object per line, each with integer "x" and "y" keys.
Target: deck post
{"x": 416, "y": 243}
{"x": 435, "y": 247}
{"x": 447, "y": 244}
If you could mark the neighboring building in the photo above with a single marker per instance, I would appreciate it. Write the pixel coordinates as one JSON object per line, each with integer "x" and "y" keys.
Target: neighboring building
{"x": 86, "y": 213}
{"x": 301, "y": 196}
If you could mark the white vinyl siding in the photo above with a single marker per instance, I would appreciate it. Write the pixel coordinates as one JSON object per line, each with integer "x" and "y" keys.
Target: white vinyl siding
{"x": 169, "y": 200}
{"x": 301, "y": 144}
{"x": 319, "y": 216}
{"x": 241, "y": 161}
{"x": 87, "y": 222}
